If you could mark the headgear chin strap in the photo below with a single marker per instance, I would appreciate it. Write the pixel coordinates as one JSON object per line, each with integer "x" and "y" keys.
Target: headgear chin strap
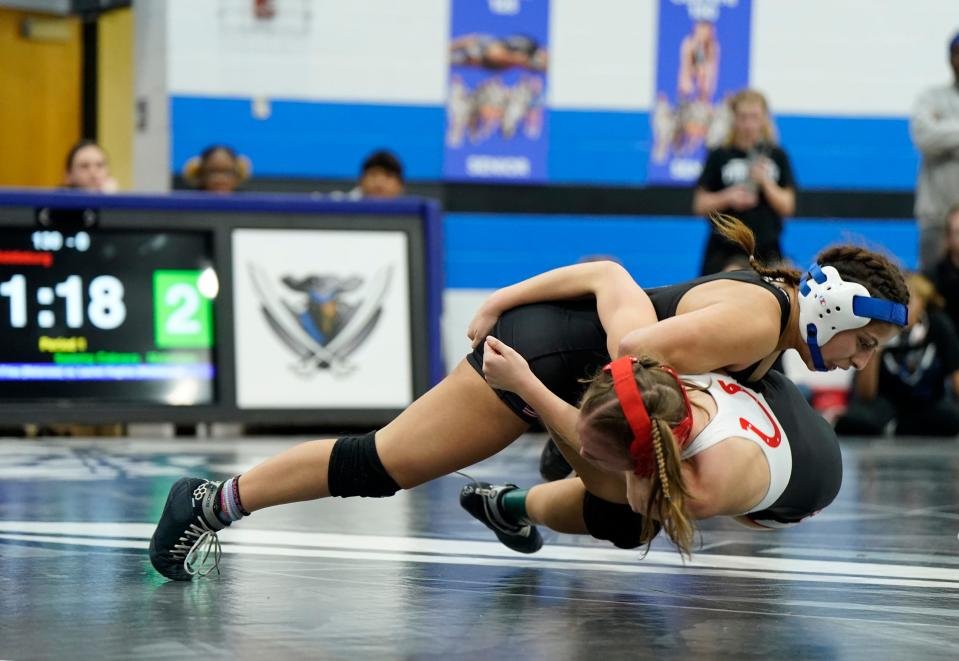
{"x": 829, "y": 305}
{"x": 631, "y": 401}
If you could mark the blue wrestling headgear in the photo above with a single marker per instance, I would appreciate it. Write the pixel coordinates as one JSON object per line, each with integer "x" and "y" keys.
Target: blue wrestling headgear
{"x": 829, "y": 305}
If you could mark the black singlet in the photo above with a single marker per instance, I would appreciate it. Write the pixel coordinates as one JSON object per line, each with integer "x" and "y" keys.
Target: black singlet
{"x": 666, "y": 300}
{"x": 564, "y": 343}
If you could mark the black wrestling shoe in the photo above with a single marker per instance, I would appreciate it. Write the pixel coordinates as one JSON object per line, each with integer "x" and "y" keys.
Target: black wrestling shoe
{"x": 482, "y": 501}
{"x": 552, "y": 464}
{"x": 186, "y": 533}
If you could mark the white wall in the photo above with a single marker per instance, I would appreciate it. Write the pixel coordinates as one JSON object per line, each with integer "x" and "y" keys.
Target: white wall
{"x": 820, "y": 57}
{"x": 373, "y": 51}
{"x": 602, "y": 54}
{"x": 459, "y": 307}
{"x": 850, "y": 57}
{"x": 151, "y": 140}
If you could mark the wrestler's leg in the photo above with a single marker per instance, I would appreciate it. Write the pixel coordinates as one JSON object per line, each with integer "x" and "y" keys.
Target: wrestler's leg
{"x": 558, "y": 505}
{"x": 457, "y": 423}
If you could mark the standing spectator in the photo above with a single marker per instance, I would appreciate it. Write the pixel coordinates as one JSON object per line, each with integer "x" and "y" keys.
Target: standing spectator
{"x": 906, "y": 383}
{"x": 935, "y": 130}
{"x": 750, "y": 178}
{"x": 944, "y": 274}
{"x": 87, "y": 168}
{"x": 218, "y": 169}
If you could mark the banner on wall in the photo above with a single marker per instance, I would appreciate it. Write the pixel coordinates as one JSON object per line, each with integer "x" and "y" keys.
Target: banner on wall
{"x": 316, "y": 327}
{"x": 702, "y": 59}
{"x": 496, "y": 116}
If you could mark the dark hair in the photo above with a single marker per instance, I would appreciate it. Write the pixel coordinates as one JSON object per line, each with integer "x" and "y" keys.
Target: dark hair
{"x": 602, "y": 415}
{"x": 876, "y": 272}
{"x": 82, "y": 144}
{"x": 212, "y": 149}
{"x": 385, "y": 160}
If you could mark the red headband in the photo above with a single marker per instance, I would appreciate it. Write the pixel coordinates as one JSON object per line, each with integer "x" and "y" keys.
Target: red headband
{"x": 631, "y": 401}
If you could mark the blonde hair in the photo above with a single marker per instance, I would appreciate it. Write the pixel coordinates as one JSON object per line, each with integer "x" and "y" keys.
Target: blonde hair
{"x": 751, "y": 96}
{"x": 926, "y": 291}
{"x": 606, "y": 424}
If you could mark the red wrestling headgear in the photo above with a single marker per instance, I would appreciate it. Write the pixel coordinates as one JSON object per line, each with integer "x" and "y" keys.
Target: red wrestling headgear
{"x": 631, "y": 401}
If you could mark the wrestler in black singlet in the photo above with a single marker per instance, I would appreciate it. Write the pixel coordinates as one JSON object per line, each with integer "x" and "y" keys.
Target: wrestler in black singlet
{"x": 564, "y": 343}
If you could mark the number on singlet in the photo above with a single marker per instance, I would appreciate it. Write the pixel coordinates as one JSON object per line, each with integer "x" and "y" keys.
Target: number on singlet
{"x": 772, "y": 440}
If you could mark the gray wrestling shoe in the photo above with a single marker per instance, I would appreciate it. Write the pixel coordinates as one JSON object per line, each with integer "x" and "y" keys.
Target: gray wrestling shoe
{"x": 482, "y": 500}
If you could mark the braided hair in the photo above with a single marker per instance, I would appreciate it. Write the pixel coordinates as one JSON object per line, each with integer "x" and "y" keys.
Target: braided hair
{"x": 876, "y": 272}
{"x": 872, "y": 270}
{"x": 605, "y": 424}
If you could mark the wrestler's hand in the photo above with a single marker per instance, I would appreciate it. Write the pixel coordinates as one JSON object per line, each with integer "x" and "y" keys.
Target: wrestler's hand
{"x": 505, "y": 369}
{"x": 482, "y": 324}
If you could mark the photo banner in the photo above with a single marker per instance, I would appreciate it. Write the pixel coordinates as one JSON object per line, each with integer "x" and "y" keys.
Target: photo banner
{"x": 496, "y": 116}
{"x": 702, "y": 59}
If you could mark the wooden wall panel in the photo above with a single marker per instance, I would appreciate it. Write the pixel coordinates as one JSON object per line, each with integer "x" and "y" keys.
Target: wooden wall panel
{"x": 40, "y": 100}
{"x": 115, "y": 92}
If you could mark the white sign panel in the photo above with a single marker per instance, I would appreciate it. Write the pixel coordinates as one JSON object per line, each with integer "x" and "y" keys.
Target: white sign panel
{"x": 322, "y": 319}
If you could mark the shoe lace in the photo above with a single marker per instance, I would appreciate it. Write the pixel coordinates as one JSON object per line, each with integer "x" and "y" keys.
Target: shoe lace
{"x": 196, "y": 546}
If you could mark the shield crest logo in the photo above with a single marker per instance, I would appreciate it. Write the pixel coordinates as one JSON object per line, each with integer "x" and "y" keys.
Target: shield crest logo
{"x": 322, "y": 318}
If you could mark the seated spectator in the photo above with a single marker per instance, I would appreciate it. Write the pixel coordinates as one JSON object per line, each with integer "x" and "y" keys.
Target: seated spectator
{"x": 87, "y": 169}
{"x": 381, "y": 176}
{"x": 218, "y": 169}
{"x": 944, "y": 273}
{"x": 906, "y": 384}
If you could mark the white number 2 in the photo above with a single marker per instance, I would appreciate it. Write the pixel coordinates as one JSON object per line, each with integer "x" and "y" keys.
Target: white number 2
{"x": 185, "y": 301}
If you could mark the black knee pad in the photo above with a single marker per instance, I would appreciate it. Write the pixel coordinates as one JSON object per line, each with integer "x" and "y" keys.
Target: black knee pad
{"x": 356, "y": 470}
{"x": 614, "y": 522}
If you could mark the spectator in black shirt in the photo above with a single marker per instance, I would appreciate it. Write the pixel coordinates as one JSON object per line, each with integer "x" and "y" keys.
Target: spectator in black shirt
{"x": 944, "y": 274}
{"x": 750, "y": 178}
{"x": 907, "y": 383}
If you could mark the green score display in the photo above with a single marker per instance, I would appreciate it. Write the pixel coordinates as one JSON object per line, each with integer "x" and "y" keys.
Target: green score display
{"x": 114, "y": 315}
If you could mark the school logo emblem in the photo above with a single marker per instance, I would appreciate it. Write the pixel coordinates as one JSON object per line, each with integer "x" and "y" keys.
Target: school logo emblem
{"x": 321, "y": 317}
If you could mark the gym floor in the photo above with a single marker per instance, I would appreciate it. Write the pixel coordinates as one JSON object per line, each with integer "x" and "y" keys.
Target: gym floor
{"x": 875, "y": 576}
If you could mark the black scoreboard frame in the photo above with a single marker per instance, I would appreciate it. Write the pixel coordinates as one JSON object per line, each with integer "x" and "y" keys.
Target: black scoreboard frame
{"x": 217, "y": 217}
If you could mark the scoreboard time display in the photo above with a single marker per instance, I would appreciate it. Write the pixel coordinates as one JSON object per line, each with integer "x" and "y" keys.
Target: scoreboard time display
{"x": 107, "y": 315}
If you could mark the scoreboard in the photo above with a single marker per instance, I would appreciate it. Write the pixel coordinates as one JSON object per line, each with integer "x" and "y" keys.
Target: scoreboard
{"x": 121, "y": 315}
{"x": 191, "y": 307}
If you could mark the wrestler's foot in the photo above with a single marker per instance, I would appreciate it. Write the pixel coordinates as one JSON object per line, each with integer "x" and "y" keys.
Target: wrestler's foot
{"x": 483, "y": 501}
{"x": 185, "y": 536}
